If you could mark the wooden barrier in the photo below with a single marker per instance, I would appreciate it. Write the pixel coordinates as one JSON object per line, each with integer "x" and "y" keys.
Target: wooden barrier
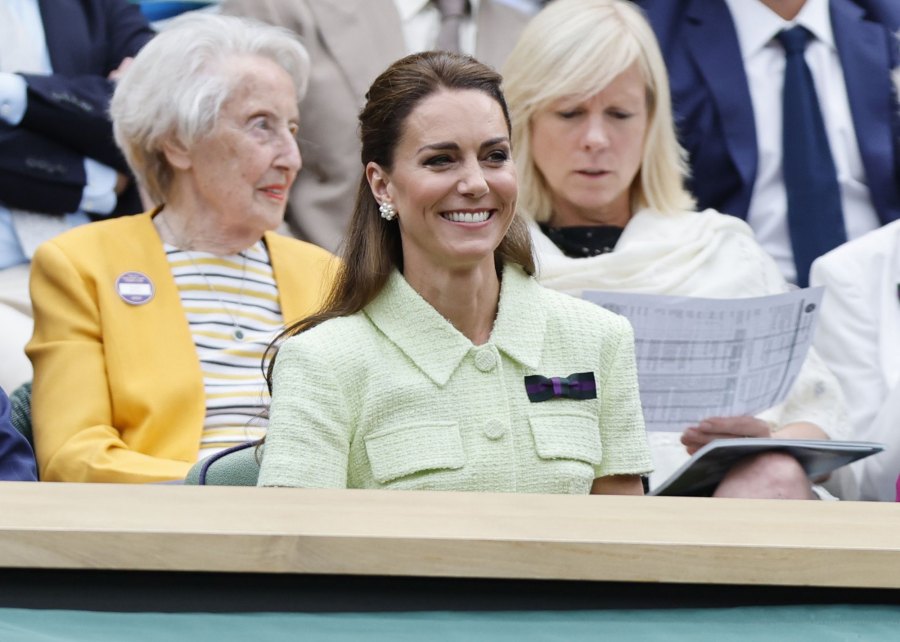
{"x": 422, "y": 534}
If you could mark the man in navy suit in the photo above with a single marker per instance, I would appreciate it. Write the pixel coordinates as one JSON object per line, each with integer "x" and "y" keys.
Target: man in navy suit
{"x": 726, "y": 68}
{"x": 59, "y": 165}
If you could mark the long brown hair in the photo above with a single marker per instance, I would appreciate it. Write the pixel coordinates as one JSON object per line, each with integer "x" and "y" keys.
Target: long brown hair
{"x": 372, "y": 248}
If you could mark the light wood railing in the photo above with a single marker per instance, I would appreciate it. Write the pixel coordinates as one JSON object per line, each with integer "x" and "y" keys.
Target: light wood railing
{"x": 422, "y": 534}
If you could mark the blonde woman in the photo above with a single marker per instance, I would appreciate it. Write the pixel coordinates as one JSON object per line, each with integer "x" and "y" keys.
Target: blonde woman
{"x": 601, "y": 178}
{"x": 149, "y": 330}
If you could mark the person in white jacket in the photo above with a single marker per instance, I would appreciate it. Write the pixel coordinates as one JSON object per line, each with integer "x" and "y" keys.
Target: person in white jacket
{"x": 859, "y": 337}
{"x": 601, "y": 177}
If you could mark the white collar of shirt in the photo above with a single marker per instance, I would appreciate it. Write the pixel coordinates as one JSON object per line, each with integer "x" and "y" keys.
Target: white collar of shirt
{"x": 757, "y": 25}
{"x": 409, "y": 8}
{"x": 421, "y": 23}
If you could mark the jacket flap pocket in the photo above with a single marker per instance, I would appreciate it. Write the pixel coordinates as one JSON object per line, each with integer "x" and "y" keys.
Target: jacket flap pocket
{"x": 399, "y": 451}
{"x": 567, "y": 435}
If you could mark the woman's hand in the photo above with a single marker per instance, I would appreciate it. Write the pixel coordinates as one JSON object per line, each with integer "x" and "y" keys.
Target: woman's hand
{"x": 695, "y": 437}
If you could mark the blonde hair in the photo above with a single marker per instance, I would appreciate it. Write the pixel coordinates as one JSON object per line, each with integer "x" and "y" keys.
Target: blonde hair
{"x": 179, "y": 81}
{"x": 575, "y": 48}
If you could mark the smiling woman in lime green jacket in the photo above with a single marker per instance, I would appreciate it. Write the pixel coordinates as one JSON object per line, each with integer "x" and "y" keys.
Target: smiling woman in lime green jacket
{"x": 438, "y": 362}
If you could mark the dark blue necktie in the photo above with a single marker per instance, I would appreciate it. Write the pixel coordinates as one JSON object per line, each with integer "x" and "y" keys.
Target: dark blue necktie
{"x": 815, "y": 219}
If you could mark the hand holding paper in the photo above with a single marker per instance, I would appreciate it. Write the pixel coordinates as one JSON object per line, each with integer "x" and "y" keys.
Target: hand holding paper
{"x": 695, "y": 437}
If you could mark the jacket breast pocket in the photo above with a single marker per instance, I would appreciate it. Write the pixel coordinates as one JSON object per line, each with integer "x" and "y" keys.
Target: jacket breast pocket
{"x": 567, "y": 435}
{"x": 401, "y": 451}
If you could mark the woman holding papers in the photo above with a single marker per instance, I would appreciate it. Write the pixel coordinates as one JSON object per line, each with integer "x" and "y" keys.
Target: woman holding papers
{"x": 601, "y": 179}
{"x": 438, "y": 363}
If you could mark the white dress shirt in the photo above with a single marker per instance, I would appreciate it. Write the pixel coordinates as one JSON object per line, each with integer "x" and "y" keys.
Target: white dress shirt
{"x": 763, "y": 59}
{"x": 422, "y": 21}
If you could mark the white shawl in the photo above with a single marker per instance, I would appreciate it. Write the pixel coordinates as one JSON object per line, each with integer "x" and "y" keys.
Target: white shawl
{"x": 702, "y": 254}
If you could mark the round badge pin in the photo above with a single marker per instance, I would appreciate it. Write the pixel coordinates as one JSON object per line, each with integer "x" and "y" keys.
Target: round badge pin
{"x": 134, "y": 288}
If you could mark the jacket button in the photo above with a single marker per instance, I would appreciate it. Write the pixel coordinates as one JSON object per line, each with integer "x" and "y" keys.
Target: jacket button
{"x": 494, "y": 429}
{"x": 485, "y": 359}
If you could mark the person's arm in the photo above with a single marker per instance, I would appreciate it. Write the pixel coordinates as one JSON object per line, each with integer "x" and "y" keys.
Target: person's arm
{"x": 618, "y": 485}
{"x": 71, "y": 105}
{"x": 847, "y": 333}
{"x": 16, "y": 457}
{"x": 37, "y": 174}
{"x": 73, "y": 399}
{"x": 626, "y": 454}
{"x": 48, "y": 163}
{"x": 695, "y": 437}
{"x": 57, "y": 121}
{"x": 73, "y": 111}
{"x": 308, "y": 438}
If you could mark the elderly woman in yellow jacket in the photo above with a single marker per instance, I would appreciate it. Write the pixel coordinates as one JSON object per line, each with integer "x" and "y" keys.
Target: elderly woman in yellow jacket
{"x": 149, "y": 330}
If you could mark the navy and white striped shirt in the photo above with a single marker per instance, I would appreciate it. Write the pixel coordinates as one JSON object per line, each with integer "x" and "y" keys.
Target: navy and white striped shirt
{"x": 244, "y": 297}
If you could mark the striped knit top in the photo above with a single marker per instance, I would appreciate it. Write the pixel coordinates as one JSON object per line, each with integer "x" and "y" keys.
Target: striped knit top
{"x": 232, "y": 307}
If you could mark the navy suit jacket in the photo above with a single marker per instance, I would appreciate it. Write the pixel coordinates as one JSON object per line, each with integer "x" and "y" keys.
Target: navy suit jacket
{"x": 41, "y": 160}
{"x": 714, "y": 113}
{"x": 16, "y": 455}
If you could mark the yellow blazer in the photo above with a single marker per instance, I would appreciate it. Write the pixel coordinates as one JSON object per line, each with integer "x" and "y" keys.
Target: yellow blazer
{"x": 118, "y": 392}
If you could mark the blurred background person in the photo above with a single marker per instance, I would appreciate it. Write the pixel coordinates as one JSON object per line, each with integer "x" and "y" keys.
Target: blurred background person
{"x": 858, "y": 335}
{"x": 350, "y": 42}
{"x": 59, "y": 166}
{"x": 161, "y": 12}
{"x": 149, "y": 330}
{"x": 785, "y": 109}
{"x": 601, "y": 175}
{"x": 16, "y": 456}
{"x": 438, "y": 362}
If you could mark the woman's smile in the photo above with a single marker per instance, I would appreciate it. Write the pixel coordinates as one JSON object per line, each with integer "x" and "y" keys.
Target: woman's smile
{"x": 453, "y": 182}
{"x": 468, "y": 217}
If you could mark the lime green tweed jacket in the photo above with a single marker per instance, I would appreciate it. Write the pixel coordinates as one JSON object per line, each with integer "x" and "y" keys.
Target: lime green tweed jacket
{"x": 395, "y": 397}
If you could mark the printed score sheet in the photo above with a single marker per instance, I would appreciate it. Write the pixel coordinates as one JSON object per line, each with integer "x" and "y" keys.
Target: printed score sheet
{"x": 699, "y": 358}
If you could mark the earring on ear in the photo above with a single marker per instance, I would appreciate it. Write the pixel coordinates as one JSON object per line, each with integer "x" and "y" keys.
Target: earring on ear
{"x": 388, "y": 213}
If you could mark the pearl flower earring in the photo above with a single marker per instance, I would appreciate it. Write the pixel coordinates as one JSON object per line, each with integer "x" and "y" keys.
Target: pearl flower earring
{"x": 388, "y": 213}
